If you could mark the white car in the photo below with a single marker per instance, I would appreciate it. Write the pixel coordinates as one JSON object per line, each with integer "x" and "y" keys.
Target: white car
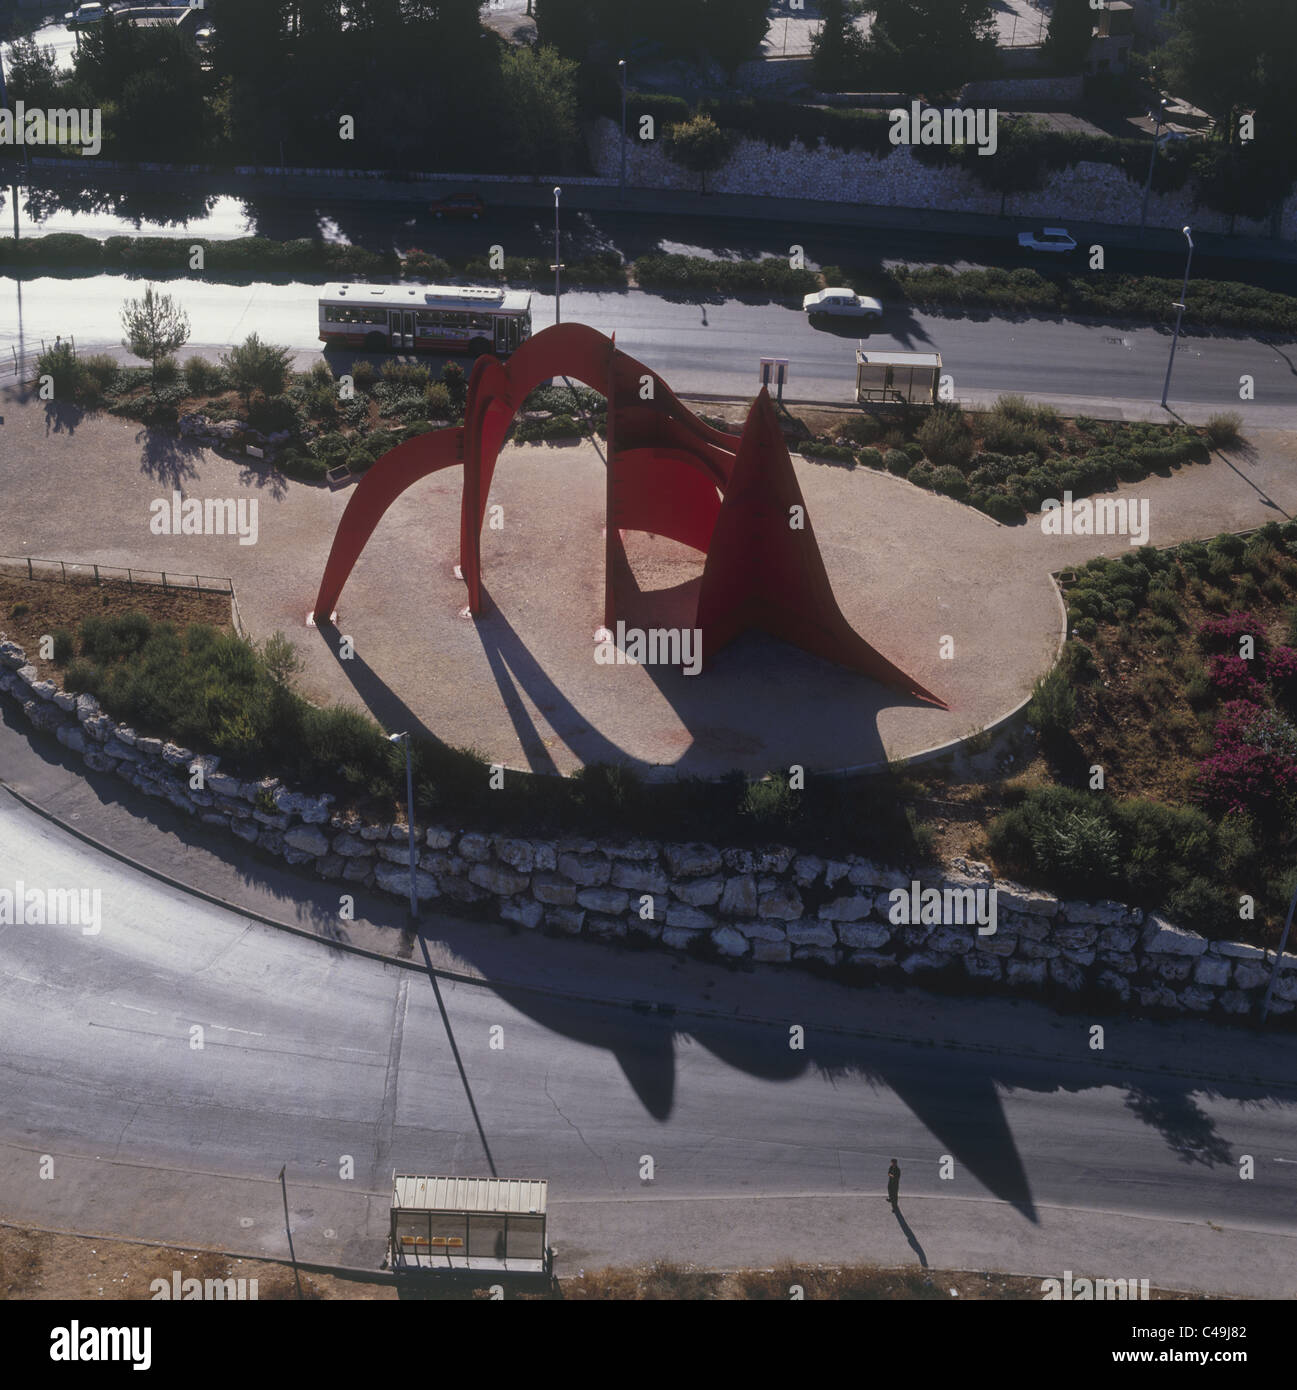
{"x": 85, "y": 14}
{"x": 842, "y": 302}
{"x": 1047, "y": 239}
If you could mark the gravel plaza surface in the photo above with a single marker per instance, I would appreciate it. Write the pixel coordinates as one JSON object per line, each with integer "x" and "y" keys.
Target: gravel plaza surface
{"x": 521, "y": 685}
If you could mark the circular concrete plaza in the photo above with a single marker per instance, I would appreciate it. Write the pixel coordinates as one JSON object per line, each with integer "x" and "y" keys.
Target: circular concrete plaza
{"x": 521, "y": 685}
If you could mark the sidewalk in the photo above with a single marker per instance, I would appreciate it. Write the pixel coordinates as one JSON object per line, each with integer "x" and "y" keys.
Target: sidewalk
{"x": 333, "y": 1224}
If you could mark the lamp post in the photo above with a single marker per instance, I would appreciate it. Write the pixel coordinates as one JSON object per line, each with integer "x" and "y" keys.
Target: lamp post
{"x": 558, "y": 264}
{"x": 1152, "y": 160}
{"x": 409, "y": 811}
{"x": 1278, "y": 959}
{"x": 1179, "y": 314}
{"x": 621, "y": 186}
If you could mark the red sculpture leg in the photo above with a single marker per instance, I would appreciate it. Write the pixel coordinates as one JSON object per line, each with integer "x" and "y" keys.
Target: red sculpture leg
{"x": 763, "y": 571}
{"x": 374, "y": 494}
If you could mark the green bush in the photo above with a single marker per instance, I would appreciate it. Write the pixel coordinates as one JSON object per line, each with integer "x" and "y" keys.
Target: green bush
{"x": 771, "y": 803}
{"x": 61, "y": 365}
{"x": 949, "y": 481}
{"x": 898, "y": 461}
{"x": 272, "y": 414}
{"x": 64, "y": 647}
{"x": 871, "y": 458}
{"x": 437, "y": 402}
{"x": 203, "y": 378}
{"x": 413, "y": 374}
{"x": 102, "y": 369}
{"x": 256, "y": 366}
{"x": 1052, "y": 707}
{"x": 860, "y": 429}
{"x": 923, "y": 475}
{"x": 362, "y": 375}
{"x": 945, "y": 438}
{"x": 360, "y": 459}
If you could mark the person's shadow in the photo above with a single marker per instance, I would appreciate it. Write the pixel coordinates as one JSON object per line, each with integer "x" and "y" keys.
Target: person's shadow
{"x": 909, "y": 1234}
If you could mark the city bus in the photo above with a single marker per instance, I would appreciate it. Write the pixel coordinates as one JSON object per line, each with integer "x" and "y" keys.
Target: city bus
{"x": 469, "y": 319}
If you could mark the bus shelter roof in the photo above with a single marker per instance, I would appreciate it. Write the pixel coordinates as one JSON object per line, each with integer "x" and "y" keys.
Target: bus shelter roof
{"x": 515, "y": 1196}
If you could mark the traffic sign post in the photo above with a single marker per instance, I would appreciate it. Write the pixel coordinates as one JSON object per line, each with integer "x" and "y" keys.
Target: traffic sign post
{"x": 776, "y": 369}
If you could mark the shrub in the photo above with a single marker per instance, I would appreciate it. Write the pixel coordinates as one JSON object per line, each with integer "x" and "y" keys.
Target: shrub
{"x": 945, "y": 437}
{"x": 203, "y": 378}
{"x": 273, "y": 414}
{"x": 1281, "y": 672}
{"x": 860, "y": 429}
{"x": 1233, "y": 677}
{"x": 63, "y": 646}
{"x": 1224, "y": 428}
{"x": 1222, "y": 634}
{"x": 257, "y": 366}
{"x": 1004, "y": 509}
{"x": 406, "y": 373}
{"x": 922, "y": 475}
{"x": 101, "y": 369}
{"x": 949, "y": 481}
{"x": 437, "y": 401}
{"x": 362, "y": 375}
{"x": 360, "y": 459}
{"x": 1253, "y": 763}
{"x": 1052, "y": 707}
{"x": 771, "y": 803}
{"x": 898, "y": 462}
{"x": 61, "y": 365}
{"x": 871, "y": 458}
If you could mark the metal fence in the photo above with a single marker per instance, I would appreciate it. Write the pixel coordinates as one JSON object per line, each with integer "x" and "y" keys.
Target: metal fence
{"x": 17, "y": 361}
{"x": 69, "y": 571}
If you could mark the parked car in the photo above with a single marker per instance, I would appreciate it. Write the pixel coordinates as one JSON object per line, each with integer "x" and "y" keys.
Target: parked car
{"x": 85, "y": 14}
{"x": 1054, "y": 239}
{"x": 841, "y": 302}
{"x": 459, "y": 205}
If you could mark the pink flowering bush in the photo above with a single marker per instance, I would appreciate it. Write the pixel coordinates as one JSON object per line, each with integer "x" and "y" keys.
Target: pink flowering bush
{"x": 1222, "y": 634}
{"x": 1281, "y": 672}
{"x": 1253, "y": 765}
{"x": 1233, "y": 677}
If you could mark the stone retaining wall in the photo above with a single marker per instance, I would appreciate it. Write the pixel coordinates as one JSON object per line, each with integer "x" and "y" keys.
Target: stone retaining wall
{"x": 772, "y": 905}
{"x": 1088, "y": 192}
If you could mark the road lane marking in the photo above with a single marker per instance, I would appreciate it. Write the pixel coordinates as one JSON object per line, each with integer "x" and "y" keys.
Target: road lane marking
{"x": 134, "y": 1008}
{"x": 219, "y": 1027}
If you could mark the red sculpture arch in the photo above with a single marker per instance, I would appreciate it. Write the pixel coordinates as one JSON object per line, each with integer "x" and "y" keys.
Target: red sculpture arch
{"x": 669, "y": 473}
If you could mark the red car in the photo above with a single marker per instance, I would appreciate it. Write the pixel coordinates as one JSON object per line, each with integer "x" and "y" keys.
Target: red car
{"x": 459, "y": 205}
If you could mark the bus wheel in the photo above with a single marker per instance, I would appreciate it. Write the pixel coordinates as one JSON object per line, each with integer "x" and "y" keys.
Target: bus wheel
{"x": 478, "y": 346}
{"x": 375, "y": 342}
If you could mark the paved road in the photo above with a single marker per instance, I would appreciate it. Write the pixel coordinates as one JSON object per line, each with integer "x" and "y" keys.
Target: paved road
{"x": 1060, "y": 1157}
{"x": 715, "y": 347}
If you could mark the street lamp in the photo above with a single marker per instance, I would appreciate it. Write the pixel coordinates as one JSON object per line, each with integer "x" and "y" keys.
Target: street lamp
{"x": 621, "y": 187}
{"x": 409, "y": 811}
{"x": 558, "y": 265}
{"x": 1152, "y": 160}
{"x": 1179, "y": 314}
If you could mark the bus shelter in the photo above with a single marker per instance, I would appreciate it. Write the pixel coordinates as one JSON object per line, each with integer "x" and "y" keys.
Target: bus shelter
{"x": 909, "y": 378}
{"x": 493, "y": 1224}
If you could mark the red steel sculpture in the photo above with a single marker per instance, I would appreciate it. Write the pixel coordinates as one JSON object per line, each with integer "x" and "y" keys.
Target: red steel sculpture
{"x": 669, "y": 474}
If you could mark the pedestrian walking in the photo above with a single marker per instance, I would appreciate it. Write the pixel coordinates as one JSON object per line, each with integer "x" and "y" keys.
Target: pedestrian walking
{"x": 894, "y": 1183}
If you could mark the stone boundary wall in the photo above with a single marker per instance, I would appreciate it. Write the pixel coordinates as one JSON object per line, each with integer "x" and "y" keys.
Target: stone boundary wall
{"x": 1089, "y": 192}
{"x": 771, "y": 905}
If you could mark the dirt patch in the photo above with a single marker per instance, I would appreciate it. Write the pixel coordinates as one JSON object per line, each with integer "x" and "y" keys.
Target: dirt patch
{"x": 40, "y": 1266}
{"x": 34, "y": 608}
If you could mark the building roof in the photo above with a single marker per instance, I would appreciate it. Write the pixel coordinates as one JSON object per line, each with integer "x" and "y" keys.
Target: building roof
{"x": 519, "y": 1196}
{"x": 897, "y": 359}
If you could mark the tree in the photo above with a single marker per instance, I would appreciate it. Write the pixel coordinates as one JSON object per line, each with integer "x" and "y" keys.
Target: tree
{"x": 539, "y": 93}
{"x": 155, "y": 328}
{"x": 932, "y": 46}
{"x": 257, "y": 366}
{"x": 32, "y": 74}
{"x": 732, "y": 31}
{"x": 699, "y": 145}
{"x": 1071, "y": 27}
{"x": 837, "y": 49}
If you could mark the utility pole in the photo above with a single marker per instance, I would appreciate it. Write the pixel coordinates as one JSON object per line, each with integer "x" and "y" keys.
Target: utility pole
{"x": 1278, "y": 960}
{"x": 558, "y": 264}
{"x": 409, "y": 811}
{"x": 1152, "y": 160}
{"x": 1179, "y": 314}
{"x": 621, "y": 186}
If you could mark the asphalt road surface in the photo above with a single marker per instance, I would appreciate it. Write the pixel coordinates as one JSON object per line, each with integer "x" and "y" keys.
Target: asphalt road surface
{"x": 308, "y": 1054}
{"x": 715, "y": 347}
